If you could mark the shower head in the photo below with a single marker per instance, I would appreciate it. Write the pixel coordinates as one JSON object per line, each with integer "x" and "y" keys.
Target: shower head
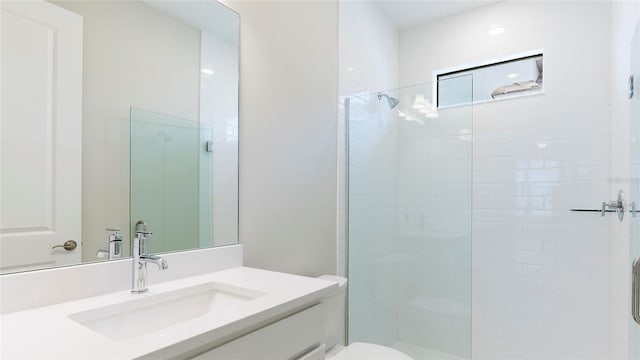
{"x": 393, "y": 102}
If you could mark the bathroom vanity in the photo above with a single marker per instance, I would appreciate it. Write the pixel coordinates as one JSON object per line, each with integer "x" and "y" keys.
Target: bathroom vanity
{"x": 158, "y": 123}
{"x": 206, "y": 305}
{"x": 237, "y": 313}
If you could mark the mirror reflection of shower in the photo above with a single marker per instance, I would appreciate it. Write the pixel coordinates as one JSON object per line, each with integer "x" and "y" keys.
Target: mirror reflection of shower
{"x": 393, "y": 102}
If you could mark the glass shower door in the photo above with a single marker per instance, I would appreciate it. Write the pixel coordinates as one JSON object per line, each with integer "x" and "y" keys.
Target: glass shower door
{"x": 409, "y": 220}
{"x": 634, "y": 196}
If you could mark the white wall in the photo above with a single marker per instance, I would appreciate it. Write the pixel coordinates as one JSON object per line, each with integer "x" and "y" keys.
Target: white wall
{"x": 288, "y": 92}
{"x": 624, "y": 16}
{"x": 368, "y": 45}
{"x": 540, "y": 273}
{"x": 368, "y": 63}
{"x": 126, "y": 65}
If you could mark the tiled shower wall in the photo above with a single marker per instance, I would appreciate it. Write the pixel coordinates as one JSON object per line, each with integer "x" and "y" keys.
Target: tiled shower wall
{"x": 540, "y": 272}
{"x": 368, "y": 63}
{"x": 373, "y": 245}
{"x": 434, "y": 219}
{"x": 219, "y": 117}
{"x": 625, "y": 334}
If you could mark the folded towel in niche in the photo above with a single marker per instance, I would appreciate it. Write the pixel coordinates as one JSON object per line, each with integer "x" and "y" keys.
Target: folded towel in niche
{"x": 515, "y": 87}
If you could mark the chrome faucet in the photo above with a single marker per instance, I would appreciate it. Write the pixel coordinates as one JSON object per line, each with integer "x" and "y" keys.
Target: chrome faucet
{"x": 114, "y": 249}
{"x": 140, "y": 260}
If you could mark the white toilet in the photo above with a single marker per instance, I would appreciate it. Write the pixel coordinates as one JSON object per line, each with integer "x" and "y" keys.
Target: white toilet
{"x": 335, "y": 307}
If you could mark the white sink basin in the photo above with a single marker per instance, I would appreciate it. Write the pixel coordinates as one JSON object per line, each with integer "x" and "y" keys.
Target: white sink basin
{"x": 148, "y": 313}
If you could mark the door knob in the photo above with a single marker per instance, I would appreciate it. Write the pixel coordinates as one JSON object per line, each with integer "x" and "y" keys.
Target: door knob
{"x": 68, "y": 245}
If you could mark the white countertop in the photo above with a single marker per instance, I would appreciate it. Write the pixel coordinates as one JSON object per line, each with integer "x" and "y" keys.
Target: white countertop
{"x": 49, "y": 333}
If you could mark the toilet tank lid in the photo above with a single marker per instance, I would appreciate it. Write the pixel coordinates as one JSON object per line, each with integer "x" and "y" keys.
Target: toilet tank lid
{"x": 342, "y": 282}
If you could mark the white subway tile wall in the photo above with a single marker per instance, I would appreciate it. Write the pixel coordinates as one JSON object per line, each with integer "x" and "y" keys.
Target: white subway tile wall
{"x": 219, "y": 115}
{"x": 373, "y": 244}
{"x": 540, "y": 272}
{"x": 434, "y": 218}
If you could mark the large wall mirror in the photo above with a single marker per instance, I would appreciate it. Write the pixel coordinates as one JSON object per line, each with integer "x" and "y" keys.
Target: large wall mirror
{"x": 116, "y": 115}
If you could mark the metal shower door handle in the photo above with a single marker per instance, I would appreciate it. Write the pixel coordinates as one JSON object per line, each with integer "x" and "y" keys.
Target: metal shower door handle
{"x": 635, "y": 290}
{"x": 617, "y": 205}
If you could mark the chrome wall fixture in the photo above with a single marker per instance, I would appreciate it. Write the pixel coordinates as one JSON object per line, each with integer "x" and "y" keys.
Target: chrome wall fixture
{"x": 617, "y": 206}
{"x": 393, "y": 102}
{"x": 114, "y": 249}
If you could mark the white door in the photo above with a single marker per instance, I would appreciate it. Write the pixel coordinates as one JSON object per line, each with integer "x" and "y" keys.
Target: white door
{"x": 40, "y": 135}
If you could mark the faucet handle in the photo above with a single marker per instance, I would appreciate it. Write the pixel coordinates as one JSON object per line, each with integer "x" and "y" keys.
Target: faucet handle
{"x": 141, "y": 225}
{"x": 115, "y": 234}
{"x": 141, "y": 239}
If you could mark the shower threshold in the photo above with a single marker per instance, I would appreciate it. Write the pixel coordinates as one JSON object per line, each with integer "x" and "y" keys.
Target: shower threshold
{"x": 420, "y": 353}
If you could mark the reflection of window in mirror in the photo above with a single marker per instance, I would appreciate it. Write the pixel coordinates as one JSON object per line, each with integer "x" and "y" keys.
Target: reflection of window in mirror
{"x": 510, "y": 77}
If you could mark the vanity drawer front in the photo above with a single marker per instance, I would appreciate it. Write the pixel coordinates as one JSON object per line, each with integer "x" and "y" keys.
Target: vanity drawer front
{"x": 317, "y": 353}
{"x": 288, "y": 338}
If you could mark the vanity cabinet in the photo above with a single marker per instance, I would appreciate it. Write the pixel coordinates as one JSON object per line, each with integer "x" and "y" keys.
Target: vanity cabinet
{"x": 298, "y": 336}
{"x": 238, "y": 313}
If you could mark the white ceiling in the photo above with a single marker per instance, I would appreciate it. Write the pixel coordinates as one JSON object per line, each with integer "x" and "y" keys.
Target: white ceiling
{"x": 407, "y": 13}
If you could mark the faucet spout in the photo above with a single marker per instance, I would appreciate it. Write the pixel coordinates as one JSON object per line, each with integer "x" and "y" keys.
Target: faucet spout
{"x": 154, "y": 259}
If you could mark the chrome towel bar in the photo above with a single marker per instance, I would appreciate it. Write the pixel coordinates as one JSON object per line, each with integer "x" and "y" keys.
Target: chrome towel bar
{"x": 617, "y": 206}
